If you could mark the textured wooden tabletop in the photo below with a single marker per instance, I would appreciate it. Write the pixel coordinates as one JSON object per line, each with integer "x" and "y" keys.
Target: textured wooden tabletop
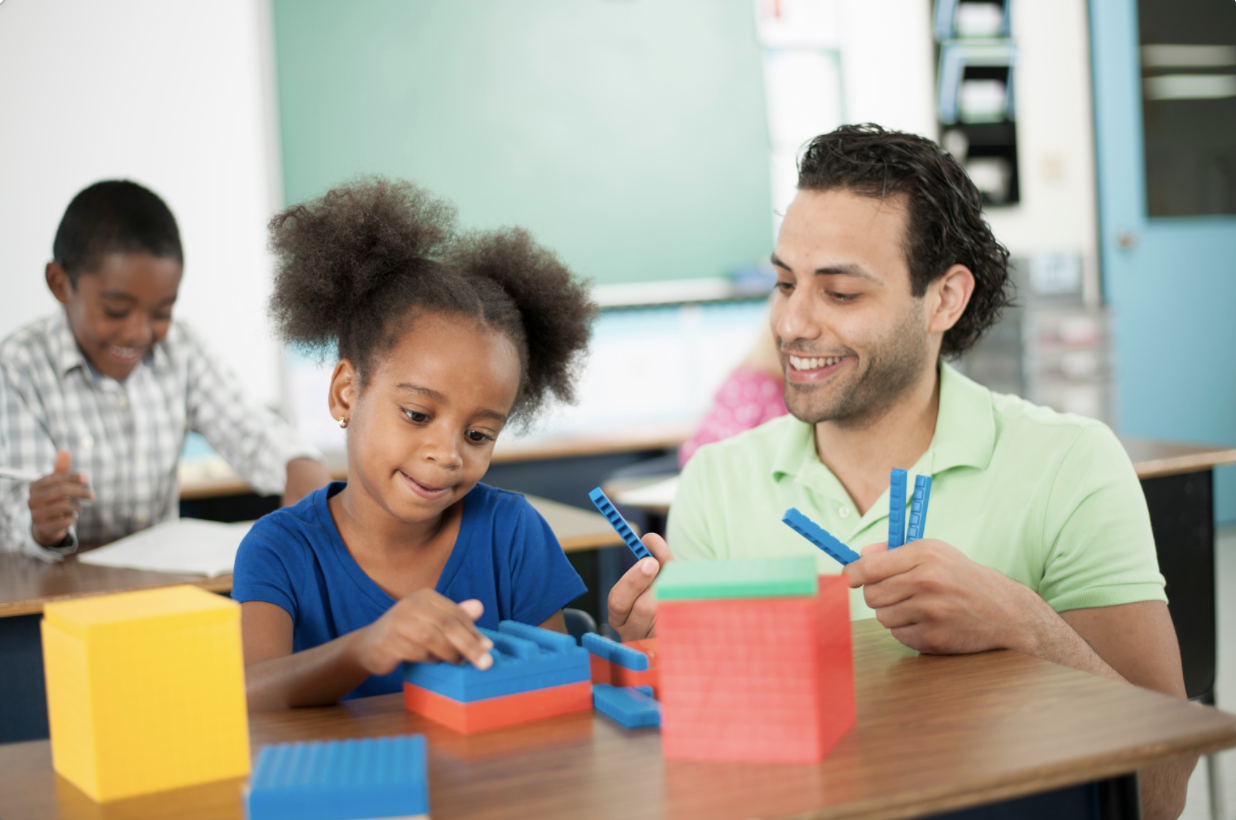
{"x": 933, "y": 734}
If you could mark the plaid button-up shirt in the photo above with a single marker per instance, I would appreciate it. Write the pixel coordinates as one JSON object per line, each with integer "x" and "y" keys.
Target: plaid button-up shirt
{"x": 126, "y": 436}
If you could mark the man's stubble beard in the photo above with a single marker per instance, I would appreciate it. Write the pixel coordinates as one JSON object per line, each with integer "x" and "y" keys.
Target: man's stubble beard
{"x": 872, "y": 387}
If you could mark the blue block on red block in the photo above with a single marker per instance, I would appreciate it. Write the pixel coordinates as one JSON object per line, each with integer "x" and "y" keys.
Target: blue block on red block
{"x": 620, "y": 525}
{"x": 897, "y": 509}
{"x": 523, "y": 661}
{"x": 340, "y": 780}
{"x": 615, "y": 652}
{"x": 633, "y": 707}
{"x": 819, "y": 536}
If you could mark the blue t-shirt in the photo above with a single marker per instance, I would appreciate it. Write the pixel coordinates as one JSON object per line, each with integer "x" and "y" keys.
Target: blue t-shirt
{"x": 505, "y": 556}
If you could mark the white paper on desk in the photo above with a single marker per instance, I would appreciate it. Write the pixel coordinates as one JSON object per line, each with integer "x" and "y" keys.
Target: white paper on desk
{"x": 187, "y": 546}
{"x": 653, "y": 495}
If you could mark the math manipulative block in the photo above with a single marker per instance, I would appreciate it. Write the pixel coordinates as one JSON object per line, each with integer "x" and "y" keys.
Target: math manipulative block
{"x": 525, "y": 658}
{"x": 897, "y": 509}
{"x": 620, "y": 525}
{"x": 536, "y": 673}
{"x": 603, "y": 671}
{"x": 381, "y": 777}
{"x": 495, "y": 713}
{"x": 615, "y": 652}
{"x": 629, "y": 706}
{"x": 145, "y": 691}
{"x": 738, "y": 578}
{"x": 766, "y": 679}
{"x": 819, "y": 536}
{"x": 918, "y": 508}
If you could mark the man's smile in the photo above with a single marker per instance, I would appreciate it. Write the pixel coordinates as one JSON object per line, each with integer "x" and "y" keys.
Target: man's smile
{"x": 800, "y": 363}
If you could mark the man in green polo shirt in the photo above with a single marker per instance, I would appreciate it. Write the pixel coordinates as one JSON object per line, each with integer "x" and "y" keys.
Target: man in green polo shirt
{"x": 1037, "y": 539}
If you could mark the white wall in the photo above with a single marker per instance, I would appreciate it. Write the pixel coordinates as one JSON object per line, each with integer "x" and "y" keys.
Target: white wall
{"x": 832, "y": 62}
{"x": 174, "y": 95}
{"x": 1055, "y": 134}
{"x": 888, "y": 65}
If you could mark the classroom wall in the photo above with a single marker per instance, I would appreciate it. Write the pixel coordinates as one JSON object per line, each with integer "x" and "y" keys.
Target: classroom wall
{"x": 628, "y": 136}
{"x": 1055, "y": 137}
{"x": 176, "y": 96}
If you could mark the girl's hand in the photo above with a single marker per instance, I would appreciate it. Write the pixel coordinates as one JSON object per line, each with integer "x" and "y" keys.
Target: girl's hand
{"x": 425, "y": 626}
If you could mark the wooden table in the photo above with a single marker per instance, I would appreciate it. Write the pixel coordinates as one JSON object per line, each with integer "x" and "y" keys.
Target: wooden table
{"x": 934, "y": 734}
{"x": 26, "y": 584}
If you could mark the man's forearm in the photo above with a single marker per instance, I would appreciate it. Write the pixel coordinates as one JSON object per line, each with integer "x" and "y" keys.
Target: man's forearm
{"x": 1049, "y": 637}
{"x": 1053, "y": 638}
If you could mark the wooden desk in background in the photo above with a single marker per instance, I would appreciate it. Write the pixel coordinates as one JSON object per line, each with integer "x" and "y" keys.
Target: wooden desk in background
{"x": 27, "y": 583}
{"x": 507, "y": 452}
{"x": 934, "y": 734}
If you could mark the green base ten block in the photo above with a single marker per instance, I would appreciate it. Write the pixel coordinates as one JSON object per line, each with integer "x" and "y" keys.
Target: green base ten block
{"x": 745, "y": 578}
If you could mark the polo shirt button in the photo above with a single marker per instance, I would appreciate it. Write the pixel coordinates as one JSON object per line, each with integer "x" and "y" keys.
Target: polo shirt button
{"x": 86, "y": 441}
{"x": 122, "y": 400}
{"x": 844, "y": 512}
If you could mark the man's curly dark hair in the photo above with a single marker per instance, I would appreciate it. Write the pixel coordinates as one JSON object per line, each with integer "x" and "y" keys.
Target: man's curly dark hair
{"x": 358, "y": 265}
{"x": 945, "y": 227}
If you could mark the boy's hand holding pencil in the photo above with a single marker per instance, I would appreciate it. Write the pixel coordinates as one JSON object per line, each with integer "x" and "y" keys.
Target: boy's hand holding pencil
{"x": 56, "y": 499}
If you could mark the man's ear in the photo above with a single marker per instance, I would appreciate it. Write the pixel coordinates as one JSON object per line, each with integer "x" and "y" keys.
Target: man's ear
{"x": 344, "y": 384}
{"x": 58, "y": 282}
{"x": 952, "y": 293}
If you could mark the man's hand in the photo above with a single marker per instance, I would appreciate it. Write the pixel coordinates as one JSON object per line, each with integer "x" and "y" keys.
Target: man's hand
{"x": 632, "y": 611}
{"x": 304, "y": 476}
{"x": 935, "y": 599}
{"x": 55, "y": 501}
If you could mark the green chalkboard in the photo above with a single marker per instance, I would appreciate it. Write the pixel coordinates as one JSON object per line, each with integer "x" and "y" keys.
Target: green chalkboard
{"x": 628, "y": 135}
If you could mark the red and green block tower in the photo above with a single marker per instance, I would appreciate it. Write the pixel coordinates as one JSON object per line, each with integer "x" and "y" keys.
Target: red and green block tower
{"x": 755, "y": 660}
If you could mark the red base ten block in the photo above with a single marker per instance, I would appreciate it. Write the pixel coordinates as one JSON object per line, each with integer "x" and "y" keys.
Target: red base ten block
{"x": 494, "y": 713}
{"x": 605, "y": 672}
{"x": 767, "y": 679}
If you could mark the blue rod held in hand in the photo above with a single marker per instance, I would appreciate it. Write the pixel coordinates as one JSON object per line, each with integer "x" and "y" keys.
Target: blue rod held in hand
{"x": 897, "y": 509}
{"x": 819, "y": 536}
{"x": 620, "y": 525}
{"x": 918, "y": 508}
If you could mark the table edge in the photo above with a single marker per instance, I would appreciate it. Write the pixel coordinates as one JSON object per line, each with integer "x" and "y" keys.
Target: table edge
{"x": 33, "y": 606}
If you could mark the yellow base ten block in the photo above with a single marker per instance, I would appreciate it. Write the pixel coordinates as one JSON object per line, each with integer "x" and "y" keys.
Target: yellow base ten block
{"x": 145, "y": 691}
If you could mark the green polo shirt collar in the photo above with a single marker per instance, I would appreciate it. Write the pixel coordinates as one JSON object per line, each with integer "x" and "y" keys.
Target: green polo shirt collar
{"x": 965, "y": 436}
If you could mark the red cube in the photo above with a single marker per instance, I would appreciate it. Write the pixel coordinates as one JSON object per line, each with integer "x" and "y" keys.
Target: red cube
{"x": 767, "y": 679}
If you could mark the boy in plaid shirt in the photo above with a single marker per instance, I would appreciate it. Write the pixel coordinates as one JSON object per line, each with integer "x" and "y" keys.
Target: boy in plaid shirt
{"x": 111, "y": 385}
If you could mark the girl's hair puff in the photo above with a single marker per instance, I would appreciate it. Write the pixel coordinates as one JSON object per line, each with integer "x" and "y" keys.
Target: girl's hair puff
{"x": 355, "y": 268}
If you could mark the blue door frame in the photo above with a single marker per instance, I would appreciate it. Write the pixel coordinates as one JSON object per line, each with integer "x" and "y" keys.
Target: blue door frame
{"x": 1171, "y": 282}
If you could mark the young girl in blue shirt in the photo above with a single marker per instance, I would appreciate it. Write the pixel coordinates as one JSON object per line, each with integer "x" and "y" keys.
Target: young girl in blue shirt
{"x": 442, "y": 341}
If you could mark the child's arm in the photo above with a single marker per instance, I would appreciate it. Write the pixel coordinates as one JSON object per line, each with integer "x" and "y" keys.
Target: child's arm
{"x": 556, "y": 622}
{"x": 262, "y": 448}
{"x": 424, "y": 626}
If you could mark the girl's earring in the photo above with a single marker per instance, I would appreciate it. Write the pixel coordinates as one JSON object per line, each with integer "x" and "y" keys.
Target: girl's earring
{"x": 343, "y": 422}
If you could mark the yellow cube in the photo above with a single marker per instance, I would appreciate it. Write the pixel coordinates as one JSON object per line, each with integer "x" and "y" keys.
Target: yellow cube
{"x": 145, "y": 691}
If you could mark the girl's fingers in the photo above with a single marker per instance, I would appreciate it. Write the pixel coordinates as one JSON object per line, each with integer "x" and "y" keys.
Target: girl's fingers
{"x": 456, "y": 624}
{"x": 441, "y": 629}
